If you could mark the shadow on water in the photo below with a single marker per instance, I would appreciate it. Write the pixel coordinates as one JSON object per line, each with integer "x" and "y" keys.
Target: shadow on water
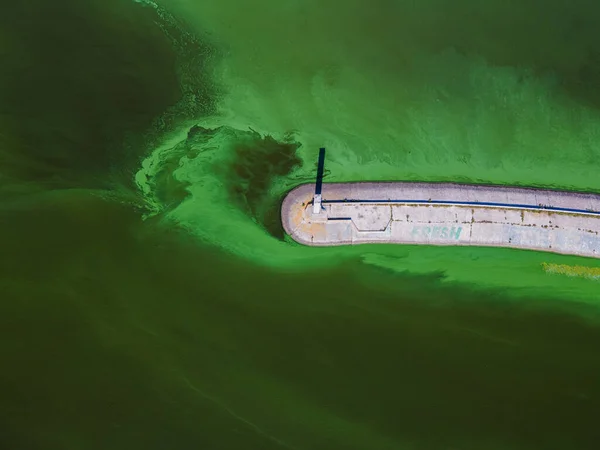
{"x": 256, "y": 165}
{"x": 247, "y": 164}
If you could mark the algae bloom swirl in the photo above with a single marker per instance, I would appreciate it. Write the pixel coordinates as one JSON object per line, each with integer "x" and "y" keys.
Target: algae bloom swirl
{"x": 447, "y": 117}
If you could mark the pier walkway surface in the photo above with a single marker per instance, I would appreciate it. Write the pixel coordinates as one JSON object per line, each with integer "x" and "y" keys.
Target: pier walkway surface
{"x": 444, "y": 214}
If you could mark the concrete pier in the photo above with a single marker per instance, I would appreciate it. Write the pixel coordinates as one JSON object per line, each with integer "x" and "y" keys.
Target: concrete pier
{"x": 444, "y": 214}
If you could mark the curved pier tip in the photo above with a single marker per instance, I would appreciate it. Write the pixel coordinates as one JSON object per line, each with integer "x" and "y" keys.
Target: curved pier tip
{"x": 441, "y": 214}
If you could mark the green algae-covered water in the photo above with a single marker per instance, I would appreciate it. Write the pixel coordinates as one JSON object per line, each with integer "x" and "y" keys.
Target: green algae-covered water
{"x": 149, "y": 298}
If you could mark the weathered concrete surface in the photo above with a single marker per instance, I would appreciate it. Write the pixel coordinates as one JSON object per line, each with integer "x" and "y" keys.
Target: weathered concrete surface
{"x": 356, "y": 213}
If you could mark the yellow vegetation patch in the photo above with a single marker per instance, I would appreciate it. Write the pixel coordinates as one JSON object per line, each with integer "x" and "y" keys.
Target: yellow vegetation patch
{"x": 572, "y": 271}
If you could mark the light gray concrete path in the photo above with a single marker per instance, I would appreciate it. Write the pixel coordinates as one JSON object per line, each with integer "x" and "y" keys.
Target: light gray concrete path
{"x": 445, "y": 214}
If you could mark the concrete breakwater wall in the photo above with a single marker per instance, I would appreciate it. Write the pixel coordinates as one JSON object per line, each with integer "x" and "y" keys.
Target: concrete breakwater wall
{"x": 444, "y": 214}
